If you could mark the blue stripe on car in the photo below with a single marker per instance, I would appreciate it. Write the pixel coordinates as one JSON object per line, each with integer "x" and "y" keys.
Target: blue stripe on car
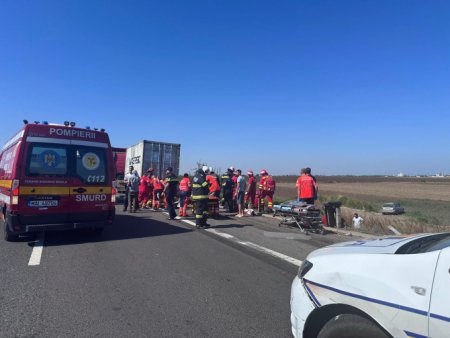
{"x": 414, "y": 335}
{"x": 373, "y": 300}
{"x": 435, "y": 316}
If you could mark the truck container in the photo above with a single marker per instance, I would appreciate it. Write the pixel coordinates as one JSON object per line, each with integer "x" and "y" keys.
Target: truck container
{"x": 156, "y": 155}
{"x": 119, "y": 156}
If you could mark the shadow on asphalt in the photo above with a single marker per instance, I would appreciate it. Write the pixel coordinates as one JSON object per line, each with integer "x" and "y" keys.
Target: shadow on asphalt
{"x": 124, "y": 227}
{"x": 231, "y": 225}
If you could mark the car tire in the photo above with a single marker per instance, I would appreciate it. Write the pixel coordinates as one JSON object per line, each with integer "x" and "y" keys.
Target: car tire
{"x": 8, "y": 235}
{"x": 351, "y": 326}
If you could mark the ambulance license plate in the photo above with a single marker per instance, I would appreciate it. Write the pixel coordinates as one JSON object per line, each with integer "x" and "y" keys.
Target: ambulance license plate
{"x": 43, "y": 203}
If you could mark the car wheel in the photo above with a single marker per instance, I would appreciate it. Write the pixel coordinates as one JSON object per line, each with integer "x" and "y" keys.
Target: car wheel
{"x": 351, "y": 326}
{"x": 8, "y": 235}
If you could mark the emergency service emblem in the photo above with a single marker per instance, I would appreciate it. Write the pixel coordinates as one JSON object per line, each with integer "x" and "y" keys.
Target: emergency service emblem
{"x": 90, "y": 161}
{"x": 49, "y": 159}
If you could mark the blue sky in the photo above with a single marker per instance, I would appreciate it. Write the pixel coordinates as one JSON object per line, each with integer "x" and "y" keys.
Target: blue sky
{"x": 344, "y": 87}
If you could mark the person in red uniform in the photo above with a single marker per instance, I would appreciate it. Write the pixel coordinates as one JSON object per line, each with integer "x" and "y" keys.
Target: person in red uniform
{"x": 214, "y": 186}
{"x": 266, "y": 189}
{"x": 157, "y": 191}
{"x": 250, "y": 194}
{"x": 217, "y": 188}
{"x": 185, "y": 192}
{"x": 144, "y": 191}
{"x": 306, "y": 187}
{"x": 150, "y": 186}
{"x": 214, "y": 193}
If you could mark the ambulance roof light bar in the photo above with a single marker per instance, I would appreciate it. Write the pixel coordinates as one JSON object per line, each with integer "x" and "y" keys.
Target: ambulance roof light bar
{"x": 72, "y": 124}
{"x": 66, "y": 123}
{"x": 25, "y": 121}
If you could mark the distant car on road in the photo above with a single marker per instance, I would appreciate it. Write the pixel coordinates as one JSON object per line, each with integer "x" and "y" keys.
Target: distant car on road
{"x": 392, "y": 209}
{"x": 378, "y": 288}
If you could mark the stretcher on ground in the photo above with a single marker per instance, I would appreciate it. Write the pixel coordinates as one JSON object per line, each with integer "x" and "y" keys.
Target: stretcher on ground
{"x": 306, "y": 216}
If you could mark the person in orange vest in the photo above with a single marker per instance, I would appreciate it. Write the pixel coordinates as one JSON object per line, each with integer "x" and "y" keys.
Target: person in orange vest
{"x": 214, "y": 186}
{"x": 306, "y": 187}
{"x": 266, "y": 189}
{"x": 157, "y": 191}
{"x": 214, "y": 193}
{"x": 250, "y": 193}
{"x": 185, "y": 192}
{"x": 218, "y": 187}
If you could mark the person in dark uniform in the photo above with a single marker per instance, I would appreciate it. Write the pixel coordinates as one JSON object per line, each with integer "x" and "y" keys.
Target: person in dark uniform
{"x": 200, "y": 191}
{"x": 227, "y": 190}
{"x": 170, "y": 191}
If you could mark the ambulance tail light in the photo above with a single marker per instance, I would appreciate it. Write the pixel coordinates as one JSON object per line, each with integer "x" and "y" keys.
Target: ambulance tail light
{"x": 15, "y": 192}
{"x": 113, "y": 192}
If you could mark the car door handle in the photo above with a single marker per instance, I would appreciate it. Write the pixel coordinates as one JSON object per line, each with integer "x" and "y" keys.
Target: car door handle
{"x": 79, "y": 190}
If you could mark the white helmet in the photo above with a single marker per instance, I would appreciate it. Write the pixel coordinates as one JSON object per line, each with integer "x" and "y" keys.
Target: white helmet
{"x": 205, "y": 168}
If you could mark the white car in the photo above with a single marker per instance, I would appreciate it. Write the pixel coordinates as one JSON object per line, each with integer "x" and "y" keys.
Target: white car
{"x": 383, "y": 287}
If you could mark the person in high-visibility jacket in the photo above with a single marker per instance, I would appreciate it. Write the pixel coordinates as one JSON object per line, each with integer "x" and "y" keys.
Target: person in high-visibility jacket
{"x": 185, "y": 192}
{"x": 170, "y": 191}
{"x": 214, "y": 187}
{"x": 306, "y": 187}
{"x": 266, "y": 189}
{"x": 200, "y": 192}
{"x": 157, "y": 192}
{"x": 227, "y": 190}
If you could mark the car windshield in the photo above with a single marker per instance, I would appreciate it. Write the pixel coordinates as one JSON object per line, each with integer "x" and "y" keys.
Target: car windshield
{"x": 426, "y": 244}
{"x": 388, "y": 205}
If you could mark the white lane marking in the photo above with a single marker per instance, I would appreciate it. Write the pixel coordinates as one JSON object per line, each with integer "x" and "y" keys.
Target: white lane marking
{"x": 221, "y": 234}
{"x": 36, "y": 254}
{"x": 188, "y": 222}
{"x": 272, "y": 253}
{"x": 254, "y": 246}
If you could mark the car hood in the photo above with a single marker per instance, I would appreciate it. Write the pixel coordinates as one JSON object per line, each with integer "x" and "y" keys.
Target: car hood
{"x": 378, "y": 245}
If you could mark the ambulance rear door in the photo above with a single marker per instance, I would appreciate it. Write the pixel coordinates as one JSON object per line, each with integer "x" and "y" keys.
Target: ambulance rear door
{"x": 90, "y": 188}
{"x": 44, "y": 186}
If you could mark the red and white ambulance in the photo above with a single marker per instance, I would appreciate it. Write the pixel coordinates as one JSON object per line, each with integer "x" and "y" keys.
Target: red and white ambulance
{"x": 55, "y": 177}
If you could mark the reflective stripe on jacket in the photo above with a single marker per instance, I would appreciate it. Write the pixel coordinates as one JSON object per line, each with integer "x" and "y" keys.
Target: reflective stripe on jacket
{"x": 200, "y": 187}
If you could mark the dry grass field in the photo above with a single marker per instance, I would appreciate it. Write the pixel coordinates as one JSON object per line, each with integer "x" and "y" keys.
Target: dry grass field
{"x": 426, "y": 200}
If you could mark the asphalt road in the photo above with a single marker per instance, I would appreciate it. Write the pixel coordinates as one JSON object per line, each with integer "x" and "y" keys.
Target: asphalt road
{"x": 146, "y": 276}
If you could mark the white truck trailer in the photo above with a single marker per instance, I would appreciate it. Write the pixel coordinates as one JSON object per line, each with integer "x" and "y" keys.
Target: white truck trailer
{"x": 156, "y": 155}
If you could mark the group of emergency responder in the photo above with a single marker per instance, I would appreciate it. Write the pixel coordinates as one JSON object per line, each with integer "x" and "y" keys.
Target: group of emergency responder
{"x": 207, "y": 190}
